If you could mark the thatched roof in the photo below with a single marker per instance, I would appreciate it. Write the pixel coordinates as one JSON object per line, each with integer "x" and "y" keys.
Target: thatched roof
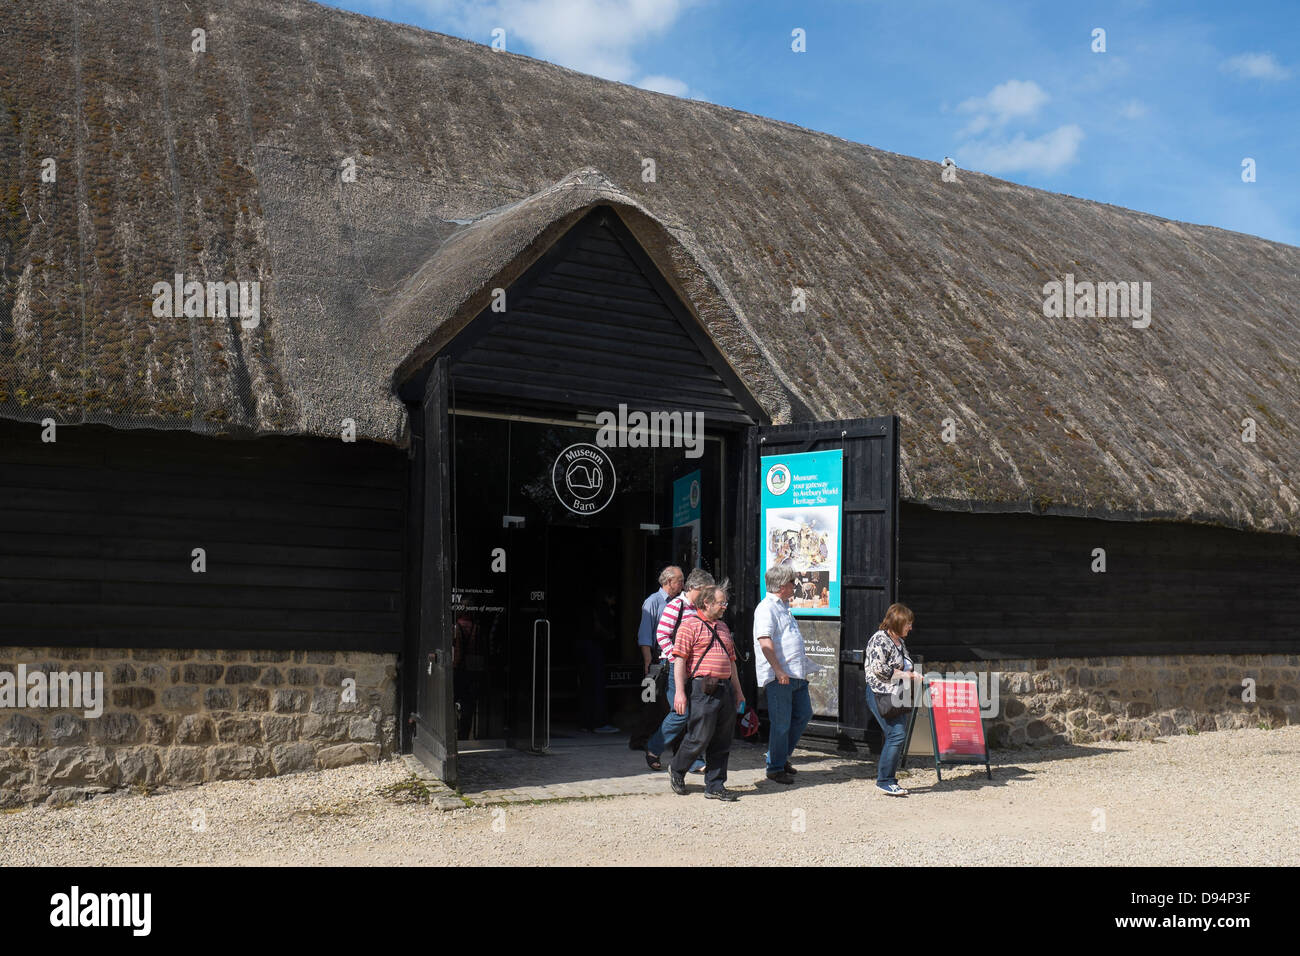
{"x": 924, "y": 297}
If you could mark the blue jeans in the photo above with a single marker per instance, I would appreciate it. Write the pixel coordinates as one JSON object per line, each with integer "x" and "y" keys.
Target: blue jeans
{"x": 674, "y": 724}
{"x": 789, "y": 709}
{"x": 895, "y": 729}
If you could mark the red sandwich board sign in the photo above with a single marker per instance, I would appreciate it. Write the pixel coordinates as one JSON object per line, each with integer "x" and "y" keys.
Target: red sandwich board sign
{"x": 956, "y": 729}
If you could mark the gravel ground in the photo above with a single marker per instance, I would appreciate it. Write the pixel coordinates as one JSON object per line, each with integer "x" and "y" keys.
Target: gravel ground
{"x": 1226, "y": 798}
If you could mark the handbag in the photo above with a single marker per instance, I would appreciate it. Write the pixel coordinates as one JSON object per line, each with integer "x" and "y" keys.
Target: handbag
{"x": 886, "y": 706}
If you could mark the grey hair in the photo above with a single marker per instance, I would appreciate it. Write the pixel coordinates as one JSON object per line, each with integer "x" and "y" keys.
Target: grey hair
{"x": 668, "y": 573}
{"x": 711, "y": 593}
{"x": 699, "y": 578}
{"x": 778, "y": 577}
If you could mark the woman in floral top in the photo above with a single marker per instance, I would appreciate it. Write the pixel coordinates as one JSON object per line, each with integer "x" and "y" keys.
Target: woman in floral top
{"x": 887, "y": 665}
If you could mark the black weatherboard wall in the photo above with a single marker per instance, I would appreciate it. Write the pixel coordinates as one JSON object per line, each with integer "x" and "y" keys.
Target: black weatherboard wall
{"x": 304, "y": 541}
{"x": 998, "y": 586}
{"x": 593, "y": 324}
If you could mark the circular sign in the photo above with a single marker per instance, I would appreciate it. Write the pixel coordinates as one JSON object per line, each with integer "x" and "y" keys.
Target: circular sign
{"x": 583, "y": 479}
{"x": 778, "y": 479}
{"x": 695, "y": 494}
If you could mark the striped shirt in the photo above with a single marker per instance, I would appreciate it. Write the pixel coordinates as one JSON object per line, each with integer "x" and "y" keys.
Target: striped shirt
{"x": 668, "y": 623}
{"x": 695, "y": 645}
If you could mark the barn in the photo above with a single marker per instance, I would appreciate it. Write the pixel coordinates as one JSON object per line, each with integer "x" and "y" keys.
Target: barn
{"x": 300, "y": 312}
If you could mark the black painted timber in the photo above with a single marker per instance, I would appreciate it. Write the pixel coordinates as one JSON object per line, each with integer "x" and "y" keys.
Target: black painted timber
{"x": 590, "y": 325}
{"x": 305, "y": 541}
{"x": 1014, "y": 586}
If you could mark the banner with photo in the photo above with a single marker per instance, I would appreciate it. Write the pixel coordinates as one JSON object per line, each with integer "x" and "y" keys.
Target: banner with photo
{"x": 802, "y": 527}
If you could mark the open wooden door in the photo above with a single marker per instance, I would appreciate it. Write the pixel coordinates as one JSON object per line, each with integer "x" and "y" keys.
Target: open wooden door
{"x": 868, "y": 548}
{"x": 434, "y": 743}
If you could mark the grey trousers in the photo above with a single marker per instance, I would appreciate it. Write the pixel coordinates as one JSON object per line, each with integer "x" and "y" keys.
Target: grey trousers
{"x": 709, "y": 730}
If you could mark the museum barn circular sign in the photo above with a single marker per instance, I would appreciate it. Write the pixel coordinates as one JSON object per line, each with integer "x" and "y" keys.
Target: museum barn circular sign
{"x": 583, "y": 479}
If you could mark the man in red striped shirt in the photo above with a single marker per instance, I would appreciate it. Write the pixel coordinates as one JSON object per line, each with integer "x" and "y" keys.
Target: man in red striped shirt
{"x": 704, "y": 663}
{"x": 676, "y": 611}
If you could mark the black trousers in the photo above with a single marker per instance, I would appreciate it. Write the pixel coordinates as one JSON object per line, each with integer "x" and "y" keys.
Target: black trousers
{"x": 709, "y": 729}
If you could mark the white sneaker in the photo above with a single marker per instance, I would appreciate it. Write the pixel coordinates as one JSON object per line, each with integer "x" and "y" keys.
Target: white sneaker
{"x": 893, "y": 789}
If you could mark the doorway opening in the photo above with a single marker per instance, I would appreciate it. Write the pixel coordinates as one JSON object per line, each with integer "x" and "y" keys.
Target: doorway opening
{"x": 546, "y": 601}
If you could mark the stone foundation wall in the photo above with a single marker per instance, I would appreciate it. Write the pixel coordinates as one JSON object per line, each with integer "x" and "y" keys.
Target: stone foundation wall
{"x": 1075, "y": 700}
{"x": 181, "y": 717}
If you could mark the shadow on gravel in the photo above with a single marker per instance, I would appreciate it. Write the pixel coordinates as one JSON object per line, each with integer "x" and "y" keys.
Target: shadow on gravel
{"x": 591, "y": 766}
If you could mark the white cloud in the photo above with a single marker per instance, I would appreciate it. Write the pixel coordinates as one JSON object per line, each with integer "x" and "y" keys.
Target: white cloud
{"x": 1014, "y": 99}
{"x": 1133, "y": 110}
{"x": 1255, "y": 66}
{"x": 593, "y": 36}
{"x": 1046, "y": 154}
{"x": 664, "y": 84}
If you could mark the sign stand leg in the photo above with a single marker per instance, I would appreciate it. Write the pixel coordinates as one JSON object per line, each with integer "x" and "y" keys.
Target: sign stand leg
{"x": 934, "y": 734}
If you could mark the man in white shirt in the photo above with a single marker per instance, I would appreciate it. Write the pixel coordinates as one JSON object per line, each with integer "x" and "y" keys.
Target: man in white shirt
{"x": 782, "y": 671}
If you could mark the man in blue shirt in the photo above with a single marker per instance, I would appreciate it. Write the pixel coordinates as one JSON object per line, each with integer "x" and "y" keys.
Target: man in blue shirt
{"x": 671, "y": 580}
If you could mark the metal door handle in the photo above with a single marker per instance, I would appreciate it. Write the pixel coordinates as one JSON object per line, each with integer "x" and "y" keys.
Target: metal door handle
{"x": 546, "y": 724}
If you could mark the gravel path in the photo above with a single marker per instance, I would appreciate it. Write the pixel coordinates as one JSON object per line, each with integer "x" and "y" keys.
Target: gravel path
{"x": 1226, "y": 798}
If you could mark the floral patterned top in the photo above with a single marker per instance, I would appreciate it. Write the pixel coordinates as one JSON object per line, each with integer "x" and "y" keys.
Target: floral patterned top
{"x": 882, "y": 658}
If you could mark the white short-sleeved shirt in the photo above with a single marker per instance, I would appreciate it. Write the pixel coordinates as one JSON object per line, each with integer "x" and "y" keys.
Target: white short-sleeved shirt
{"x": 772, "y": 618}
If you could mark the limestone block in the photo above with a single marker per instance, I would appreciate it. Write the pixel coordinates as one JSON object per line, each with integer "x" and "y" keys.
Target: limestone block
{"x": 137, "y": 765}
{"x": 72, "y": 766}
{"x": 342, "y": 755}
{"x": 242, "y": 674}
{"x": 277, "y": 729}
{"x": 184, "y": 765}
{"x": 240, "y": 730}
{"x": 116, "y": 727}
{"x": 133, "y": 698}
{"x": 183, "y": 697}
{"x": 287, "y": 701}
{"x": 195, "y": 729}
{"x": 19, "y": 730}
{"x": 202, "y": 673}
{"x": 323, "y": 727}
{"x": 237, "y": 762}
{"x": 293, "y": 757}
{"x": 218, "y": 698}
{"x": 362, "y": 728}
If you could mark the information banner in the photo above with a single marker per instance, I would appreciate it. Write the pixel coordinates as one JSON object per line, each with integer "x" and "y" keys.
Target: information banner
{"x": 686, "y": 521}
{"x": 802, "y": 527}
{"x": 821, "y": 644}
{"x": 955, "y": 710}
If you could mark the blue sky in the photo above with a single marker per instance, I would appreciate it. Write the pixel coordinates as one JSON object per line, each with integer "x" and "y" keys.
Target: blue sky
{"x": 1161, "y": 121}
